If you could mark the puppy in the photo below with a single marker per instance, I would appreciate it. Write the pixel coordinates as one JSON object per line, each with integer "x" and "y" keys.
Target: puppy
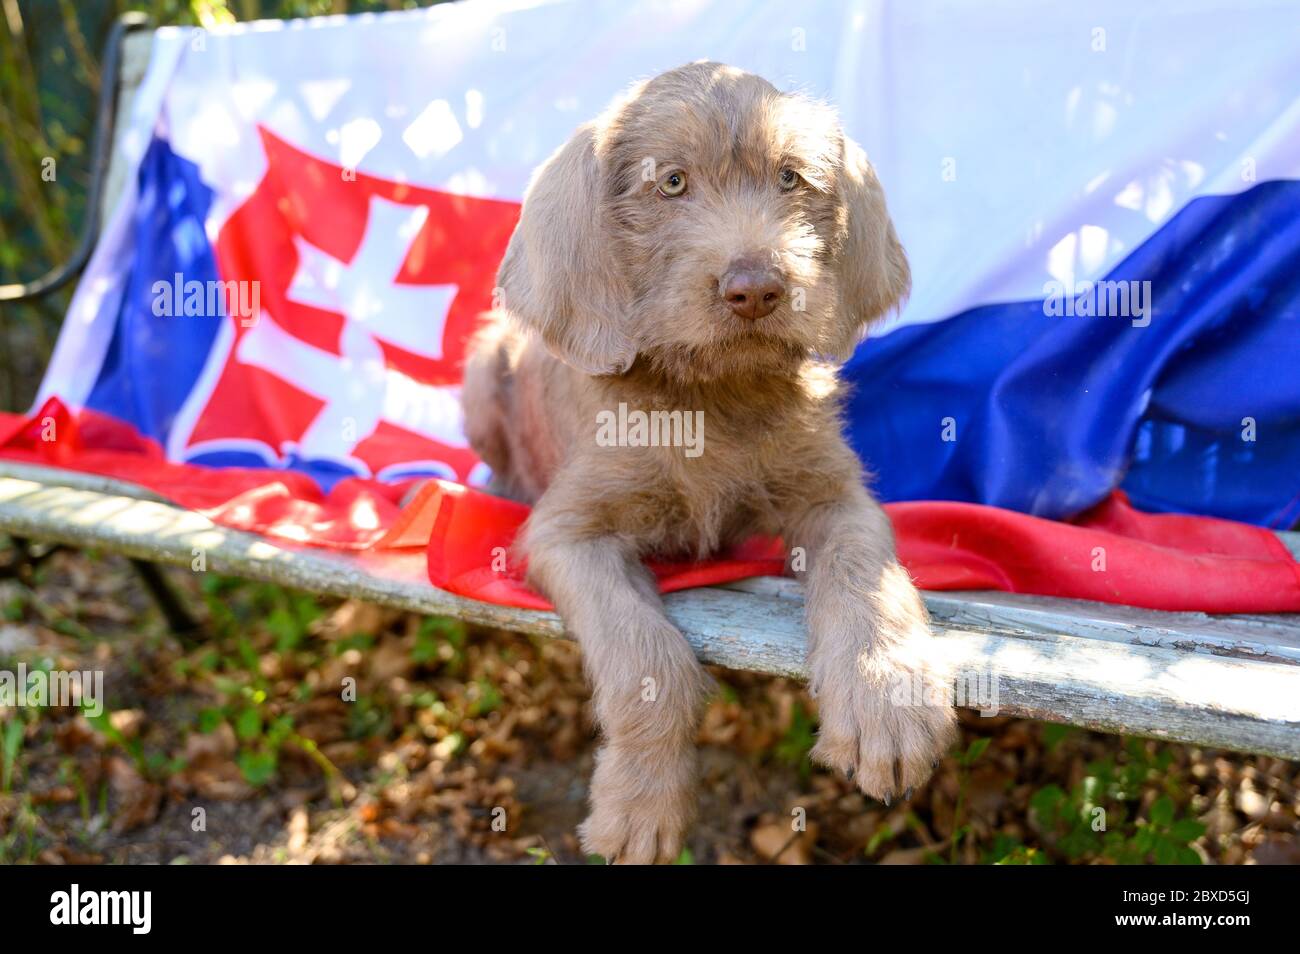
{"x": 706, "y": 246}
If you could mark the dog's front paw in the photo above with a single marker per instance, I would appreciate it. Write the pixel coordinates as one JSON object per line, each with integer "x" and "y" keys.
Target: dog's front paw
{"x": 886, "y": 710}
{"x": 640, "y": 811}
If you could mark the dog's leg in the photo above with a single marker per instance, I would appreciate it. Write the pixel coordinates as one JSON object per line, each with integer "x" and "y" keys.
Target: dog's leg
{"x": 648, "y": 691}
{"x": 883, "y": 696}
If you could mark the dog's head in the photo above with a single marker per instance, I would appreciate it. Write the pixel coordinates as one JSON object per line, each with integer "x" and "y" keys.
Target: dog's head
{"x": 706, "y": 223}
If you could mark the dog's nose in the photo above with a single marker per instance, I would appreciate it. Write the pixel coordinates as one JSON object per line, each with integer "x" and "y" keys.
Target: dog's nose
{"x": 752, "y": 291}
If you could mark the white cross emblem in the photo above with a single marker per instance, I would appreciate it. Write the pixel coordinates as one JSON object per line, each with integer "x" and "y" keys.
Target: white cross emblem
{"x": 357, "y": 388}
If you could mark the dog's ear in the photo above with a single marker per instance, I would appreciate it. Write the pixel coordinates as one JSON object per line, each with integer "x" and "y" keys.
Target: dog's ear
{"x": 874, "y": 274}
{"x": 559, "y": 276}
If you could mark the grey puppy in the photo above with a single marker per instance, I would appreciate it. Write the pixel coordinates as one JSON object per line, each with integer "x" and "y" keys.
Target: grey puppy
{"x": 707, "y": 247}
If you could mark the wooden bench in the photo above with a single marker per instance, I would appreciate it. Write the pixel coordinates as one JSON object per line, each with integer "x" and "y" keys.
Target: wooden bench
{"x": 1230, "y": 682}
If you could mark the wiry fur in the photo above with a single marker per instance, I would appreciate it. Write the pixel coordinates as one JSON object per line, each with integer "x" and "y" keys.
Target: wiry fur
{"x": 611, "y": 294}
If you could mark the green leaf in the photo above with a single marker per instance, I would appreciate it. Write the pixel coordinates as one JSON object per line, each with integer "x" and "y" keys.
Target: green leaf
{"x": 12, "y": 742}
{"x": 1078, "y": 843}
{"x": 1047, "y": 802}
{"x": 485, "y": 698}
{"x": 977, "y": 748}
{"x": 279, "y": 729}
{"x": 798, "y": 741}
{"x": 1162, "y": 811}
{"x": 425, "y": 649}
{"x": 210, "y": 720}
{"x": 247, "y": 654}
{"x": 13, "y": 610}
{"x": 1166, "y": 852}
{"x": 258, "y": 768}
{"x": 1020, "y": 855}
{"x": 882, "y": 834}
{"x": 104, "y": 725}
{"x": 248, "y": 724}
{"x": 1186, "y": 830}
{"x": 286, "y": 629}
{"x": 1145, "y": 839}
{"x": 1054, "y": 734}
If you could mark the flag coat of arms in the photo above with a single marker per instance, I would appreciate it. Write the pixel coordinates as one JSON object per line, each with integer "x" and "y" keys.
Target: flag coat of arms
{"x": 1102, "y": 216}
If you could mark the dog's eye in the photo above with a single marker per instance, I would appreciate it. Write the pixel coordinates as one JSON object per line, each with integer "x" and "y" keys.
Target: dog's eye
{"x": 673, "y": 184}
{"x": 789, "y": 179}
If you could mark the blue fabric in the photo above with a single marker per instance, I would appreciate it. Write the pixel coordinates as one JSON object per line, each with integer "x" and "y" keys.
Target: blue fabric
{"x": 153, "y": 361}
{"x": 1052, "y": 412}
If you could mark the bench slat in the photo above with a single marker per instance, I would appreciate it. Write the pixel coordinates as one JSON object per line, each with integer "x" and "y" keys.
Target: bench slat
{"x": 1204, "y": 690}
{"x": 1268, "y": 637}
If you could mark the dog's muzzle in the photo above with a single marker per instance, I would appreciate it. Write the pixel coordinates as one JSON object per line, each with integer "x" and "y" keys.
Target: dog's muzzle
{"x": 752, "y": 289}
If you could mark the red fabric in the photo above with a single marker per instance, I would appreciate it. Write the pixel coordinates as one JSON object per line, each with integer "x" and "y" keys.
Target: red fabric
{"x": 282, "y": 504}
{"x": 472, "y": 534}
{"x": 1149, "y": 560}
{"x": 1112, "y": 553}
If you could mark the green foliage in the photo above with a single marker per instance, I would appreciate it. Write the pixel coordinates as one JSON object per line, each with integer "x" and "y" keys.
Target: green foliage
{"x": 103, "y": 724}
{"x": 291, "y": 619}
{"x": 485, "y": 698}
{"x": 798, "y": 741}
{"x": 261, "y": 732}
{"x": 237, "y": 608}
{"x": 1007, "y": 851}
{"x": 973, "y": 752}
{"x": 367, "y": 719}
{"x": 11, "y": 743}
{"x": 1099, "y": 819}
{"x": 1054, "y": 733}
{"x": 964, "y": 760}
{"x": 440, "y": 643}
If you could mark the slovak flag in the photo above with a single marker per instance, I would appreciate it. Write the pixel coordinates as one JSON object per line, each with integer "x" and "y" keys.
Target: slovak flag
{"x": 1101, "y": 206}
